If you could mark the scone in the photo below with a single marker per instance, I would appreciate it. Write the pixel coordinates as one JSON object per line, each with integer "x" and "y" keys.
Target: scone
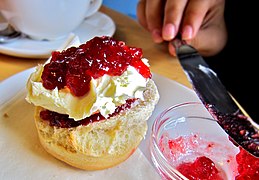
{"x": 92, "y": 102}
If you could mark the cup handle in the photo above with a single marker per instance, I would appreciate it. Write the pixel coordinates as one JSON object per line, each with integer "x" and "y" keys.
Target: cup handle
{"x": 93, "y": 7}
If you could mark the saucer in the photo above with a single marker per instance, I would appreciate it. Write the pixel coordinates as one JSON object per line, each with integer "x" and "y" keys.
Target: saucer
{"x": 98, "y": 24}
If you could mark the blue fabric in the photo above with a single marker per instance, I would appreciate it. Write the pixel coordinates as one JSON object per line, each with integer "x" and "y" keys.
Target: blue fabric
{"x": 127, "y": 7}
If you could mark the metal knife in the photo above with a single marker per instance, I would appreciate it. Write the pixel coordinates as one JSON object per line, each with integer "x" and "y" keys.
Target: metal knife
{"x": 241, "y": 129}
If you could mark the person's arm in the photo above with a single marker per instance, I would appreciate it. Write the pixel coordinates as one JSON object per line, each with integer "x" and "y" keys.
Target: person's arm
{"x": 200, "y": 22}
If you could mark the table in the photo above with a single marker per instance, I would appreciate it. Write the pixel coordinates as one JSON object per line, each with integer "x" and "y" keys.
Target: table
{"x": 127, "y": 30}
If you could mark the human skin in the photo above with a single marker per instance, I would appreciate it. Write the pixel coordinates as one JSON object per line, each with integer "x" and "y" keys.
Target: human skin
{"x": 200, "y": 22}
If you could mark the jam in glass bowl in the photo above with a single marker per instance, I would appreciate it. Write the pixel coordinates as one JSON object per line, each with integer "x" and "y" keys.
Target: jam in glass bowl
{"x": 187, "y": 143}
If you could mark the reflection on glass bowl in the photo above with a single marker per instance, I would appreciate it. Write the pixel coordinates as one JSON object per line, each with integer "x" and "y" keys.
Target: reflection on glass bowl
{"x": 186, "y": 142}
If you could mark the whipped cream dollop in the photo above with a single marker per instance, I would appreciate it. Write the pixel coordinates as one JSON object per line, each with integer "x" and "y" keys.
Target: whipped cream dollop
{"x": 105, "y": 94}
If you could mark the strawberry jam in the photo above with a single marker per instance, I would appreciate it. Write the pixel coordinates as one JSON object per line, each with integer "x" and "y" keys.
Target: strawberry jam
{"x": 63, "y": 121}
{"x": 201, "y": 169}
{"x": 248, "y": 166}
{"x": 73, "y": 68}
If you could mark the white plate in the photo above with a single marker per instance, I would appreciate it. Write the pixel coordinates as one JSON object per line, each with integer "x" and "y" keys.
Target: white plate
{"x": 98, "y": 24}
{"x": 22, "y": 157}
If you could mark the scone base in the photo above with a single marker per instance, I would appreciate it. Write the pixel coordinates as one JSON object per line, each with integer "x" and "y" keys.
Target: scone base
{"x": 103, "y": 144}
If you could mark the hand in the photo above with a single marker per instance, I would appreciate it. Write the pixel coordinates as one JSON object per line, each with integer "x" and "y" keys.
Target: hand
{"x": 200, "y": 22}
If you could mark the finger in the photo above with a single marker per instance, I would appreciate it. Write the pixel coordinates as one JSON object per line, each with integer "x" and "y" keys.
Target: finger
{"x": 194, "y": 15}
{"x": 207, "y": 44}
{"x": 141, "y": 13}
{"x": 171, "y": 49}
{"x": 174, "y": 10}
{"x": 154, "y": 16}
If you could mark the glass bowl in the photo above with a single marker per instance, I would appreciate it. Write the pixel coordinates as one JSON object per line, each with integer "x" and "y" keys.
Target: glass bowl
{"x": 187, "y": 142}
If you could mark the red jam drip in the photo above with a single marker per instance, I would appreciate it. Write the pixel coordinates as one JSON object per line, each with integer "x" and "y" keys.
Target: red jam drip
{"x": 74, "y": 67}
{"x": 63, "y": 121}
{"x": 201, "y": 169}
{"x": 248, "y": 166}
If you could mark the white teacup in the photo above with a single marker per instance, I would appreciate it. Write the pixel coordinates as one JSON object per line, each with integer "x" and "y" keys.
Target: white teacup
{"x": 47, "y": 19}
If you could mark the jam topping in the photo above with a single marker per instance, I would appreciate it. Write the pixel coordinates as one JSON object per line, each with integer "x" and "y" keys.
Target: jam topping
{"x": 73, "y": 68}
{"x": 201, "y": 169}
{"x": 63, "y": 121}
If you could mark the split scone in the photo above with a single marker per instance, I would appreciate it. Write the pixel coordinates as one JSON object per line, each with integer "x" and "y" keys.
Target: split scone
{"x": 92, "y": 102}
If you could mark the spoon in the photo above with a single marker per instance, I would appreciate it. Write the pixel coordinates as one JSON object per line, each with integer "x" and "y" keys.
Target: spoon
{"x": 8, "y": 33}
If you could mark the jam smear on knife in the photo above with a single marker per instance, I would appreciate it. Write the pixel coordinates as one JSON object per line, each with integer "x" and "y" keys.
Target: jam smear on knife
{"x": 240, "y": 129}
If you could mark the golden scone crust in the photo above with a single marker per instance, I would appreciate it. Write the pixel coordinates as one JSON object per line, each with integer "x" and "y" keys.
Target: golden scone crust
{"x": 101, "y": 144}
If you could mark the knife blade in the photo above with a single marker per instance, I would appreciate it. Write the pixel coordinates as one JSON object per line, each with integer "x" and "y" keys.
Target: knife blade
{"x": 242, "y": 130}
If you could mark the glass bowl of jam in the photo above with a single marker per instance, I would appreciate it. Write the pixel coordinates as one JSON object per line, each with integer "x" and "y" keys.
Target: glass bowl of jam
{"x": 187, "y": 143}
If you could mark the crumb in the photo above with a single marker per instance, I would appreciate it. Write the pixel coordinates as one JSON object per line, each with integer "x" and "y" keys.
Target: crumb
{"x": 6, "y": 115}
